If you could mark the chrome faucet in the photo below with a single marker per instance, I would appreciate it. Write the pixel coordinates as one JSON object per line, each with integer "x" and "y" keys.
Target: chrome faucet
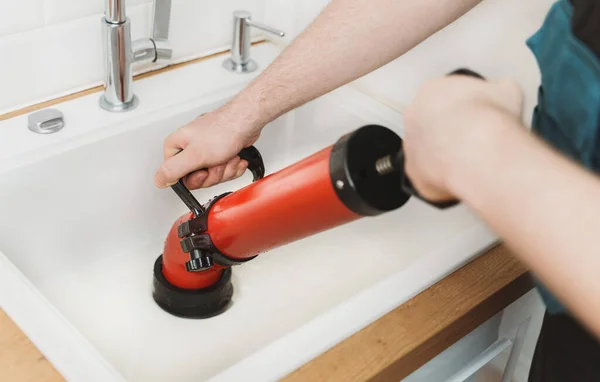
{"x": 120, "y": 52}
{"x": 240, "y": 61}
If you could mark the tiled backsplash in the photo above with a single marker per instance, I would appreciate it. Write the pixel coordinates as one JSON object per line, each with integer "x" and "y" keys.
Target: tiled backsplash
{"x": 22, "y": 17}
{"x": 53, "y": 47}
{"x": 58, "y": 11}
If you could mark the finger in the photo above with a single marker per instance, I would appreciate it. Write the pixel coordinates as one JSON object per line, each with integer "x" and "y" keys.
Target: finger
{"x": 242, "y": 166}
{"x": 196, "y": 179}
{"x": 215, "y": 175}
{"x": 426, "y": 189}
{"x": 175, "y": 142}
{"x": 231, "y": 168}
{"x": 175, "y": 168}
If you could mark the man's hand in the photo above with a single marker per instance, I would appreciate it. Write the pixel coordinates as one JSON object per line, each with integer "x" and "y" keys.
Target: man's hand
{"x": 450, "y": 119}
{"x": 204, "y": 152}
{"x": 464, "y": 137}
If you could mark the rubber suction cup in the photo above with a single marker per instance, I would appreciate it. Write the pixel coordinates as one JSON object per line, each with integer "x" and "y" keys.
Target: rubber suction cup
{"x": 186, "y": 303}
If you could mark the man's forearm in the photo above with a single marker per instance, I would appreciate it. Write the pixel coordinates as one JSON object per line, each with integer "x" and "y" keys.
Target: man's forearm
{"x": 545, "y": 207}
{"x": 348, "y": 40}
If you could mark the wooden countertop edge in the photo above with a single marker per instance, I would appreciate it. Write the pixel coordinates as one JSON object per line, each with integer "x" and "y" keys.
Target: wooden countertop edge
{"x": 20, "y": 360}
{"x": 403, "y": 340}
{"x": 389, "y": 349}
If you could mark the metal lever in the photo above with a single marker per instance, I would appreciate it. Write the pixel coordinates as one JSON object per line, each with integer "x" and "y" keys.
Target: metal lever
{"x": 187, "y": 198}
{"x": 240, "y": 61}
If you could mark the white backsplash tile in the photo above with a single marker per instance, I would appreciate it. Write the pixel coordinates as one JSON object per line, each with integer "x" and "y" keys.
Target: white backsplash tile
{"x": 204, "y": 25}
{"x": 66, "y": 10}
{"x": 21, "y": 15}
{"x": 66, "y": 54}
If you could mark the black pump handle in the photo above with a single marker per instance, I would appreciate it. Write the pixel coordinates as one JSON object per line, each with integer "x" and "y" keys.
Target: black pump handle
{"x": 255, "y": 165}
{"x": 399, "y": 160}
{"x": 255, "y": 162}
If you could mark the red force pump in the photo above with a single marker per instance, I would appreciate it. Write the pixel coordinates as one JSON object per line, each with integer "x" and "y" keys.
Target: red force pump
{"x": 362, "y": 174}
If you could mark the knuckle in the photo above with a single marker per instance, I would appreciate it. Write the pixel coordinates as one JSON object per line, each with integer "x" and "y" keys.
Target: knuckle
{"x": 219, "y": 171}
{"x": 171, "y": 139}
{"x": 192, "y": 183}
{"x": 210, "y": 183}
{"x": 166, "y": 173}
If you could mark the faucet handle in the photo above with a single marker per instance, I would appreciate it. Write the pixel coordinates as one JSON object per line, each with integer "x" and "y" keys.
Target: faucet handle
{"x": 240, "y": 61}
{"x": 163, "y": 50}
{"x": 161, "y": 20}
{"x": 161, "y": 17}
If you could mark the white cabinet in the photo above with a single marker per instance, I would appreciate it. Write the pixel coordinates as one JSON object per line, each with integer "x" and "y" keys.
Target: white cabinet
{"x": 493, "y": 352}
{"x": 488, "y": 366}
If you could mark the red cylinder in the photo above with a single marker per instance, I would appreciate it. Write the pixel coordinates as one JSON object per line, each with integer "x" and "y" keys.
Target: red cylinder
{"x": 286, "y": 206}
{"x": 289, "y": 205}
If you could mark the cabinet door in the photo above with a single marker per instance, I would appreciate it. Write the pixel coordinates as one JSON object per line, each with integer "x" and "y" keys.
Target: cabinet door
{"x": 496, "y": 363}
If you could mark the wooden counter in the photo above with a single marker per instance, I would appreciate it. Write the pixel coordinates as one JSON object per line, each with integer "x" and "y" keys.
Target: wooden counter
{"x": 20, "y": 360}
{"x": 387, "y": 350}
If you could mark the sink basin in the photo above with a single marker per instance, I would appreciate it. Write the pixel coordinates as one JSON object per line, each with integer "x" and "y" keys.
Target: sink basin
{"x": 82, "y": 225}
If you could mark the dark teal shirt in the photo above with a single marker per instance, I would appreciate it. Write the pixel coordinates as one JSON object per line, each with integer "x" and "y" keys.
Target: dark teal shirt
{"x": 567, "y": 49}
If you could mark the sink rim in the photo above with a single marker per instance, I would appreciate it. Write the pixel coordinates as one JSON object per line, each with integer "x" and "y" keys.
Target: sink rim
{"x": 77, "y": 359}
{"x": 63, "y": 333}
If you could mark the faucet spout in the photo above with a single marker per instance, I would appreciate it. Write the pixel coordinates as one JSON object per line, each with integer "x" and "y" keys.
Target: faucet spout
{"x": 118, "y": 71}
{"x": 115, "y": 11}
{"x": 120, "y": 52}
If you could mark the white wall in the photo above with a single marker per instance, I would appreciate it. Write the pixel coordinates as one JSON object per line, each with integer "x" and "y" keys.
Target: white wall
{"x": 53, "y": 47}
{"x": 489, "y": 39}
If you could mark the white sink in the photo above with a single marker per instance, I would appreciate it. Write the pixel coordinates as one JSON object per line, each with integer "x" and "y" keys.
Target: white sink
{"x": 82, "y": 225}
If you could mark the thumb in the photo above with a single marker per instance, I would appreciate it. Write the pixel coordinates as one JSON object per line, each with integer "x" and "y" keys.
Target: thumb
{"x": 175, "y": 168}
